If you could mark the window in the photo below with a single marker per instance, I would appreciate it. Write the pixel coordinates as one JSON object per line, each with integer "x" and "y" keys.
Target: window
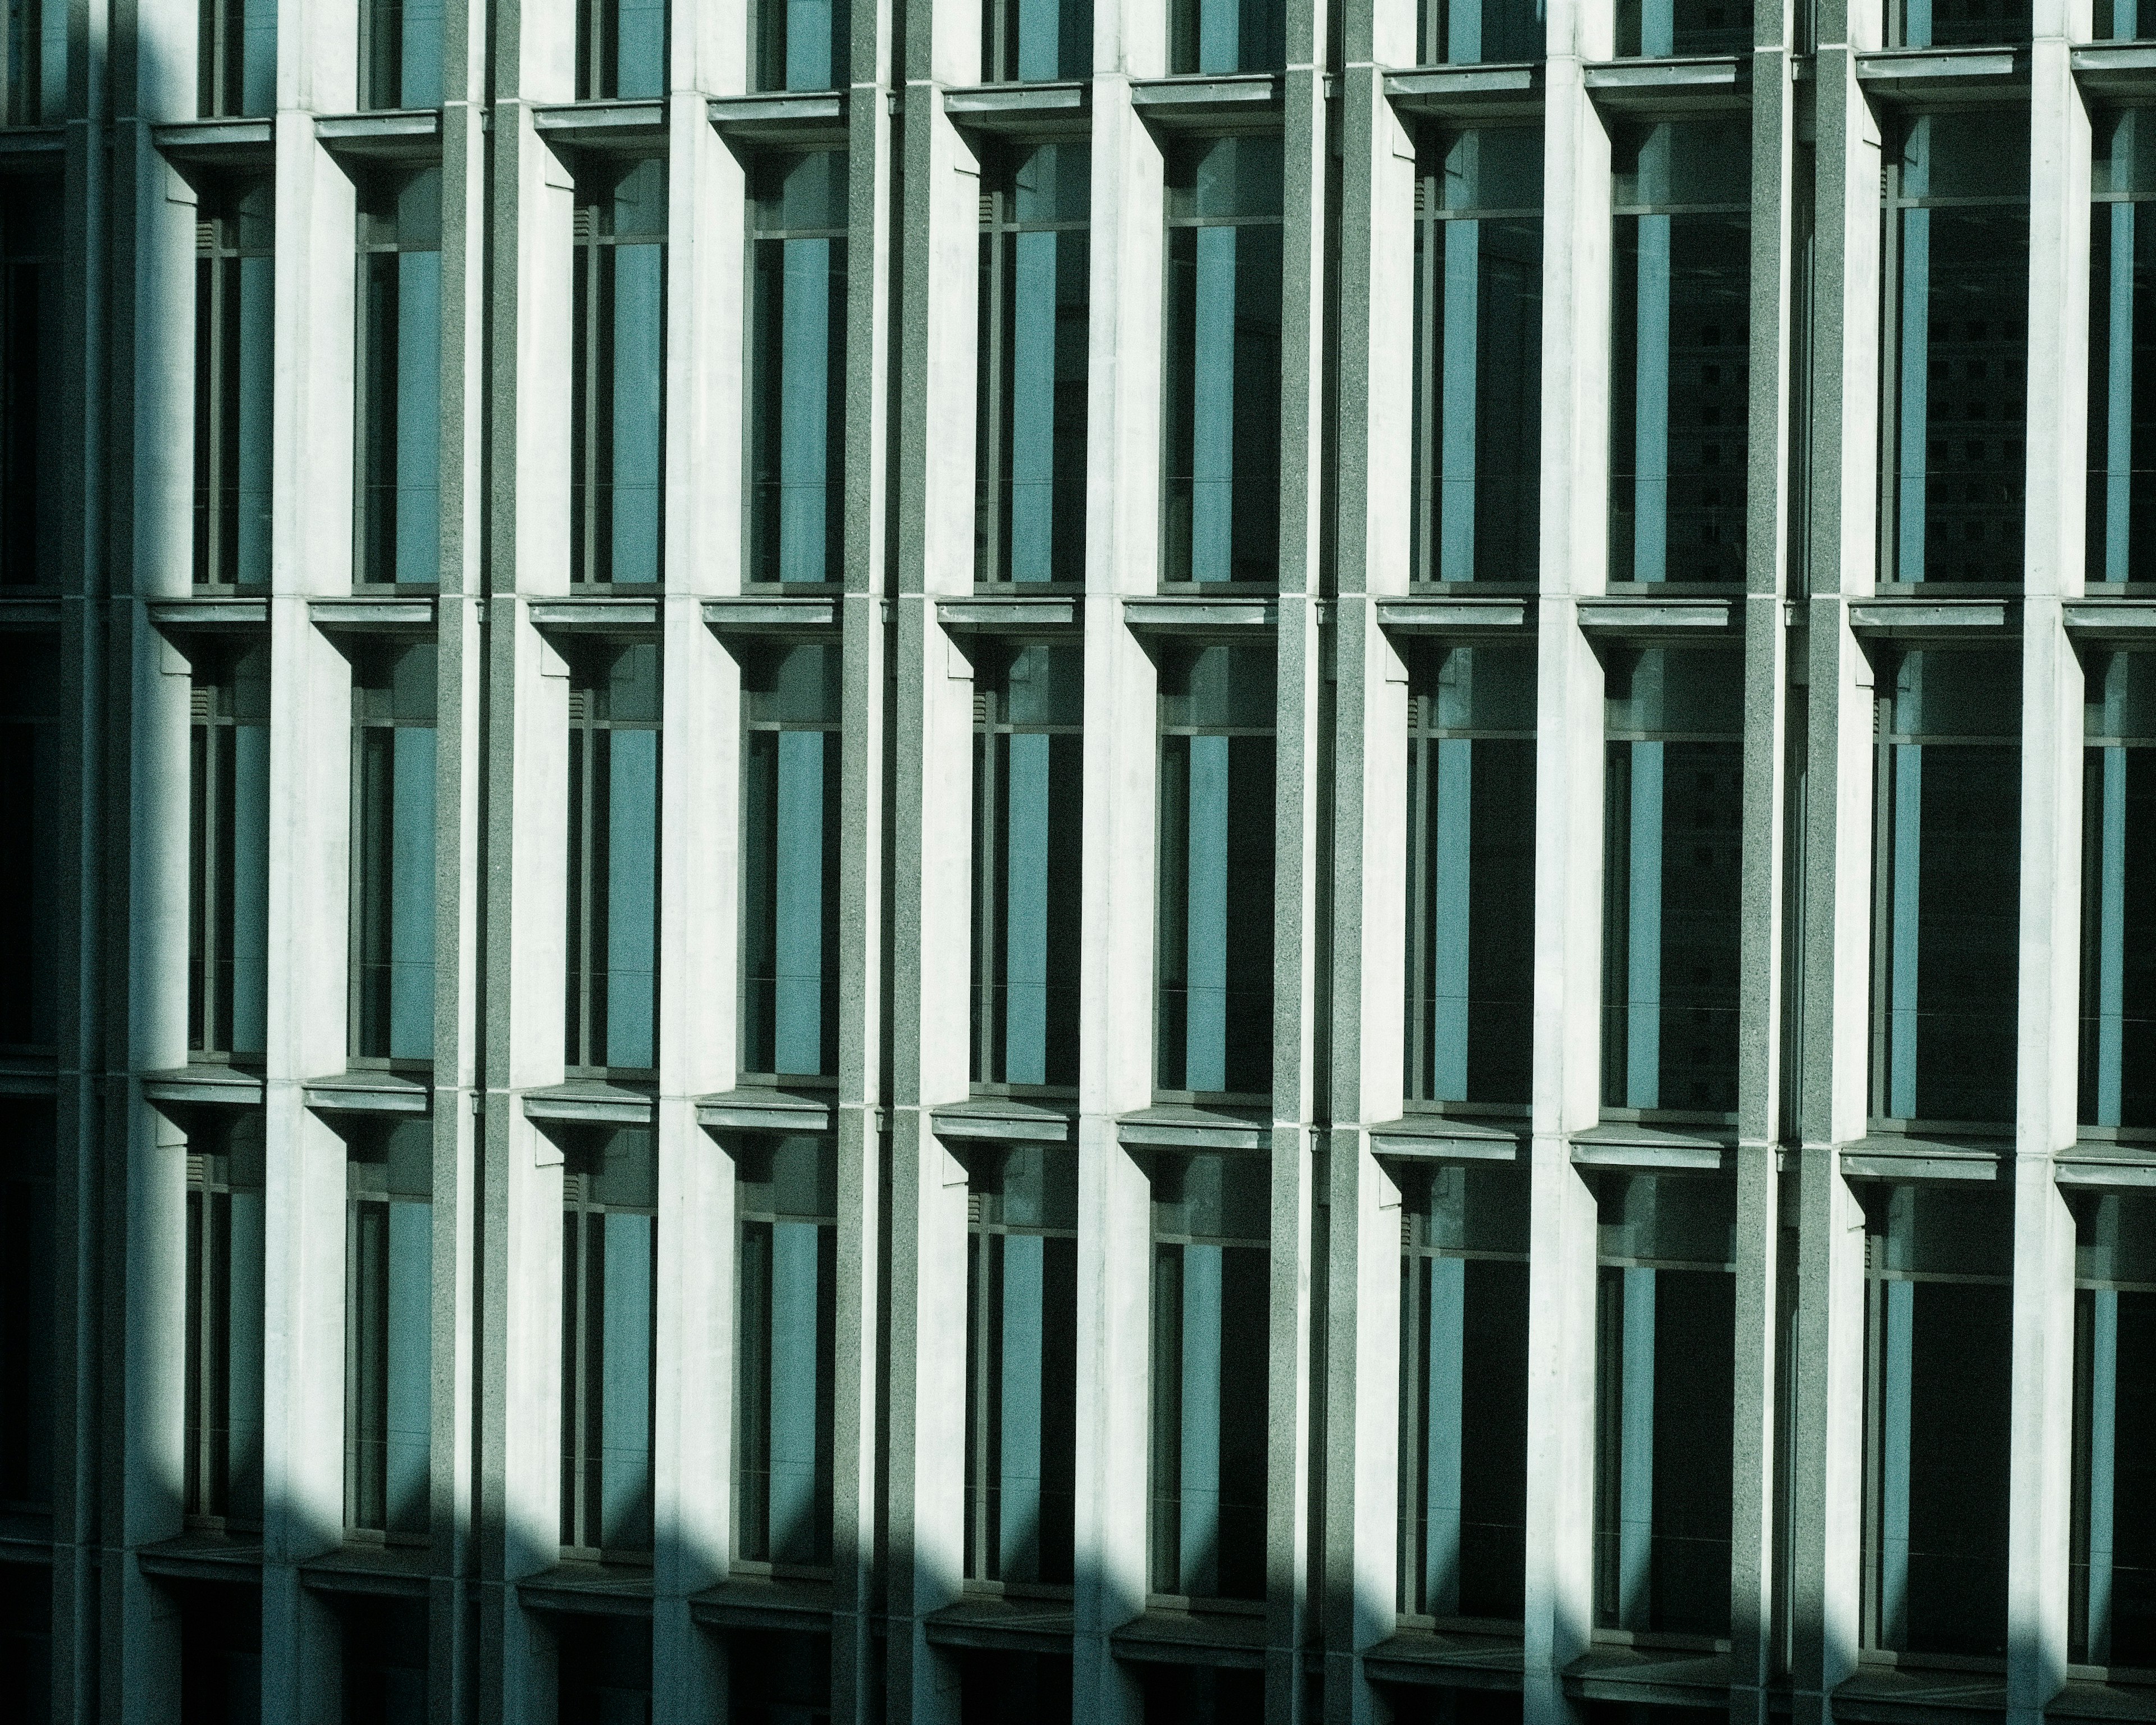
{"x": 609, "y": 1263}
{"x": 1031, "y": 447}
{"x": 220, "y": 1642}
{"x": 382, "y": 1652}
{"x": 1212, "y": 1266}
{"x": 400, "y": 53}
{"x": 1021, "y": 1362}
{"x": 778, "y": 1677}
{"x": 1463, "y": 1390}
{"x": 392, "y": 876}
{"x": 797, "y": 397}
{"x": 1222, "y": 428}
{"x": 1227, "y": 36}
{"x": 617, "y": 409}
{"x": 1955, "y": 349}
{"x": 603, "y": 1670}
{"x": 2122, "y": 446}
{"x": 1470, "y": 874}
{"x": 1938, "y": 1368}
{"x": 1946, "y": 919}
{"x": 1660, "y": 28}
{"x": 998, "y": 1686}
{"x": 236, "y": 70}
{"x": 389, "y": 1366}
{"x": 2112, "y": 1604}
{"x": 2119, "y": 21}
{"x": 801, "y": 45}
{"x": 223, "y": 1484}
{"x": 1666, "y": 1344}
{"x": 1214, "y": 1021}
{"x": 613, "y": 856}
{"x": 228, "y": 854}
{"x": 1466, "y": 32}
{"x": 400, "y": 377}
{"x": 234, "y": 307}
{"x": 1673, "y": 826}
{"x": 32, "y": 776}
{"x": 1680, "y": 350}
{"x": 29, "y": 1228}
{"x": 37, "y": 63}
{"x": 1025, "y": 40}
{"x": 26, "y": 1640}
{"x": 790, "y": 862}
{"x": 621, "y": 49}
{"x": 1478, "y": 346}
{"x": 1029, "y": 760}
{"x": 32, "y": 498}
{"x": 1960, "y": 23}
{"x": 2119, "y": 905}
{"x": 786, "y": 1200}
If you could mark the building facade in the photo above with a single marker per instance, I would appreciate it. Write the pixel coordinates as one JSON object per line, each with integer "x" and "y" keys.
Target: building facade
{"x": 784, "y": 948}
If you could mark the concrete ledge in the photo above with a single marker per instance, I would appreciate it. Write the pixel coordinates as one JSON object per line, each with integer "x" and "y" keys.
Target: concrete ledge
{"x": 1179, "y": 1125}
{"x": 1627, "y": 1144}
{"x": 1446, "y": 1657}
{"x": 1447, "y": 615}
{"x": 589, "y": 1590}
{"x": 748, "y": 1602}
{"x": 1885, "y": 1692}
{"x": 753, "y": 1110}
{"x": 1922, "y": 75}
{"x": 398, "y": 1571}
{"x": 1887, "y": 1156}
{"x": 29, "y": 142}
{"x": 1203, "y": 101}
{"x": 781, "y": 116}
{"x": 2121, "y": 68}
{"x": 203, "y": 1556}
{"x": 1934, "y": 618}
{"x": 217, "y": 143}
{"x": 1467, "y": 92}
{"x": 2101, "y": 1163}
{"x": 204, "y": 1087}
{"x": 184, "y": 616}
{"x": 1004, "y": 1120}
{"x": 1444, "y": 1137}
{"x": 1649, "y": 1676}
{"x": 2101, "y": 1701}
{"x": 1216, "y": 1638}
{"x": 594, "y": 615}
{"x": 364, "y": 1092}
{"x": 1232, "y": 614}
{"x": 589, "y": 1103}
{"x": 639, "y": 122}
{"x": 408, "y": 133}
{"x": 1014, "y": 615}
{"x": 1692, "y": 85}
{"x": 1021, "y": 107}
{"x": 998, "y": 1621}
{"x": 816, "y": 614}
{"x": 41, "y": 611}
{"x": 2113, "y": 619}
{"x": 403, "y": 614}
{"x": 1652, "y": 618}
{"x": 29, "y": 1078}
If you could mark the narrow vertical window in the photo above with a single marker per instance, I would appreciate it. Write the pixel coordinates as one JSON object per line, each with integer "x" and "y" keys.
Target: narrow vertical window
{"x": 224, "y": 1324}
{"x": 384, "y": 1647}
{"x": 1938, "y": 1355}
{"x": 797, "y": 386}
{"x": 801, "y": 45}
{"x": 2112, "y": 1608}
{"x": 234, "y": 308}
{"x": 1212, "y": 1266}
{"x": 1470, "y": 874}
{"x": 32, "y": 778}
{"x": 37, "y": 63}
{"x": 1955, "y": 349}
{"x": 28, "y": 1268}
{"x": 1673, "y": 830}
{"x": 2120, "y": 21}
{"x": 1680, "y": 350}
{"x": 1463, "y": 1391}
{"x": 31, "y": 466}
{"x": 1657, "y": 29}
{"x": 1478, "y": 346}
{"x": 2118, "y": 894}
{"x": 1223, "y": 360}
{"x": 2122, "y": 431}
{"x": 1466, "y": 33}
{"x": 388, "y": 1364}
{"x": 1021, "y": 1364}
{"x": 1022, "y": 41}
{"x": 228, "y": 854}
{"x": 1227, "y": 36}
{"x": 393, "y": 867}
{"x": 621, "y": 49}
{"x": 400, "y": 53}
{"x": 790, "y": 863}
{"x": 610, "y": 1266}
{"x": 1213, "y": 1021}
{"x": 1665, "y": 1395}
{"x": 617, "y": 408}
{"x": 1946, "y": 919}
{"x": 1035, "y": 254}
{"x": 786, "y": 1203}
{"x": 236, "y": 66}
{"x": 400, "y": 377}
{"x": 1961, "y": 24}
{"x": 614, "y": 857}
{"x": 1028, "y": 751}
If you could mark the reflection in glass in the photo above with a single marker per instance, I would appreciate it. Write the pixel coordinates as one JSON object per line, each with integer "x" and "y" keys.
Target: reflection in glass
{"x": 790, "y": 862}
{"x": 388, "y": 1364}
{"x": 1657, "y": 29}
{"x": 613, "y": 975}
{"x": 621, "y": 49}
{"x": 393, "y": 878}
{"x": 234, "y": 307}
{"x": 1962, "y": 24}
{"x": 616, "y": 388}
{"x": 801, "y": 45}
{"x": 797, "y": 385}
{"x": 400, "y": 377}
{"x": 400, "y": 53}
{"x": 1466, "y": 32}
{"x": 228, "y": 850}
{"x": 1227, "y": 36}
{"x": 609, "y": 1269}
{"x": 223, "y": 1322}
{"x": 1022, "y": 41}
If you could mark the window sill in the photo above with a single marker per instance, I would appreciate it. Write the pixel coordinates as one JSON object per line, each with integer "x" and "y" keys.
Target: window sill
{"x": 358, "y": 1090}
{"x": 758, "y": 1108}
{"x": 1184, "y": 1126}
{"x": 1007, "y": 1120}
{"x": 207, "y": 1084}
{"x": 1003, "y": 1622}
{"x": 1450, "y": 1137}
{"x": 1686, "y": 82}
{"x": 1655, "y": 1148}
{"x": 752, "y": 1598}
{"x": 1919, "y": 74}
{"x": 781, "y": 116}
{"x": 1422, "y": 1652}
{"x": 1619, "y": 1668}
{"x": 1899, "y": 1150}
{"x": 589, "y": 1101}
{"x": 1054, "y": 105}
{"x": 1178, "y": 1631}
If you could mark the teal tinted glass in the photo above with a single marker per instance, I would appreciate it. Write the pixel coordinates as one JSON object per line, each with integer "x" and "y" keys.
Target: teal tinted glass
{"x": 2120, "y": 698}
{"x": 1053, "y": 182}
{"x": 804, "y": 192}
{"x": 1221, "y": 685}
{"x": 1979, "y": 155}
{"x": 1941, "y": 693}
{"x": 1226, "y": 177}
{"x": 1675, "y": 691}
{"x": 1211, "y": 1197}
{"x": 1678, "y": 164}
{"x": 1487, "y": 688}
{"x": 1494, "y": 168}
{"x": 795, "y": 1175}
{"x": 1667, "y": 1218}
{"x": 1046, "y": 685}
{"x": 796, "y": 685}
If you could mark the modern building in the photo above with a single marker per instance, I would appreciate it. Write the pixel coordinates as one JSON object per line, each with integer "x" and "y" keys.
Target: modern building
{"x": 1179, "y": 860}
